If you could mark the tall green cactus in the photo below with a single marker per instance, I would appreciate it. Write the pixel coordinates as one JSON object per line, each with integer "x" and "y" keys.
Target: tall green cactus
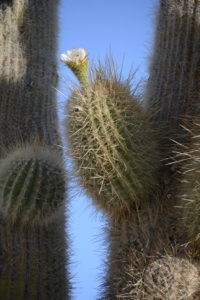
{"x": 154, "y": 248}
{"x": 32, "y": 181}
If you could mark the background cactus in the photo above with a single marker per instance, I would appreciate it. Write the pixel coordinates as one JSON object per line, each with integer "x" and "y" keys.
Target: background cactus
{"x": 155, "y": 230}
{"x": 32, "y": 255}
{"x": 33, "y": 261}
{"x": 32, "y": 184}
{"x": 28, "y": 72}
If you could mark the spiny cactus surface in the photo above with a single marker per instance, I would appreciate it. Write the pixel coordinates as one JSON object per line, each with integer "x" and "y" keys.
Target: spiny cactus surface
{"x": 32, "y": 184}
{"x": 189, "y": 192}
{"x": 110, "y": 136}
{"x": 28, "y": 74}
{"x": 33, "y": 261}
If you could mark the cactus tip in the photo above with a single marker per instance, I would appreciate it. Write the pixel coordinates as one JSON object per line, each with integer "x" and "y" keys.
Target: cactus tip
{"x": 77, "y": 60}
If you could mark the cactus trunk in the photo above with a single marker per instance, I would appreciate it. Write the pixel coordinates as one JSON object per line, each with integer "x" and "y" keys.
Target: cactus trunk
{"x": 33, "y": 261}
{"x": 28, "y": 72}
{"x": 172, "y": 97}
{"x": 32, "y": 183}
{"x": 172, "y": 92}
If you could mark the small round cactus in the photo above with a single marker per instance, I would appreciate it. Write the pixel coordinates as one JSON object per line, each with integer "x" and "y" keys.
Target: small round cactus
{"x": 32, "y": 184}
{"x": 171, "y": 278}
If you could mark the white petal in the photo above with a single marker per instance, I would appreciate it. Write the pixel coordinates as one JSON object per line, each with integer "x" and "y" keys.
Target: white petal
{"x": 74, "y": 55}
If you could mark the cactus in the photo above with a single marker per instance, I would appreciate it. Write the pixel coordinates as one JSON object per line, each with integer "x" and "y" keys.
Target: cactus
{"x": 32, "y": 181}
{"x": 115, "y": 140}
{"x": 106, "y": 117}
{"x": 164, "y": 278}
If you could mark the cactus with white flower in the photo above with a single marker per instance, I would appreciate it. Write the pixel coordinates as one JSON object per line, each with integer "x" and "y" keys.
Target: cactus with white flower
{"x": 109, "y": 135}
{"x": 126, "y": 157}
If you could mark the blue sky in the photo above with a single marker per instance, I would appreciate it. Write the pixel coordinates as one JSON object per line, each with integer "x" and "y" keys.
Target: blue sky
{"x": 124, "y": 28}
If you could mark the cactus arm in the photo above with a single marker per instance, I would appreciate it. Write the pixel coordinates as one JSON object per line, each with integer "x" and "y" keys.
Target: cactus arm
{"x": 112, "y": 164}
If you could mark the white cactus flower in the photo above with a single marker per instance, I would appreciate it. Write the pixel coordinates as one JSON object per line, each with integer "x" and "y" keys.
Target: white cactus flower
{"x": 77, "y": 60}
{"x": 74, "y": 56}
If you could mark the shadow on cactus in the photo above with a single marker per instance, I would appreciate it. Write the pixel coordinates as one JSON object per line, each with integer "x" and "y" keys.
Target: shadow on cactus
{"x": 111, "y": 138}
{"x": 32, "y": 184}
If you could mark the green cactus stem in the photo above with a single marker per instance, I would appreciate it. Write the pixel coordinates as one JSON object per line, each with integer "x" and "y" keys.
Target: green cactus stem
{"x": 113, "y": 144}
{"x": 32, "y": 184}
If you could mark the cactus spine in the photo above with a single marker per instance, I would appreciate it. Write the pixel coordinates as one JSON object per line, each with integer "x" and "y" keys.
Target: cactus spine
{"x": 153, "y": 234}
{"x": 32, "y": 181}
